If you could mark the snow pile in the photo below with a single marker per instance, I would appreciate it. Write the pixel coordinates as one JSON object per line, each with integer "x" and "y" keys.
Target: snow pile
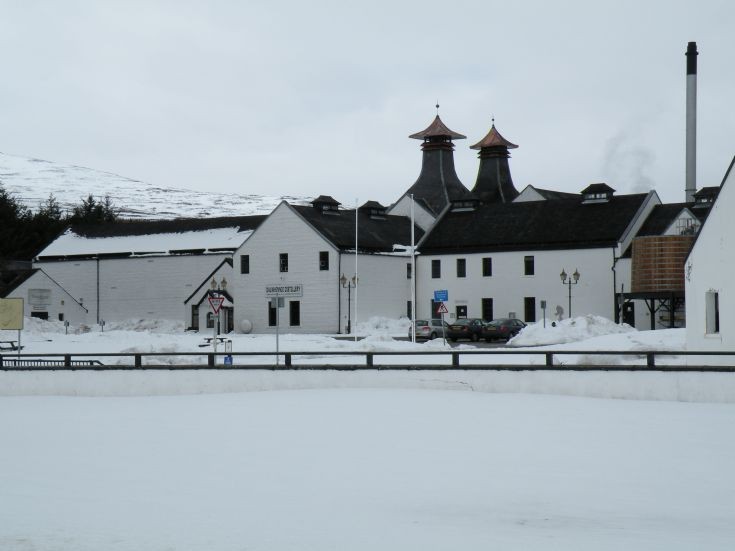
{"x": 147, "y": 325}
{"x": 568, "y": 330}
{"x": 383, "y": 326}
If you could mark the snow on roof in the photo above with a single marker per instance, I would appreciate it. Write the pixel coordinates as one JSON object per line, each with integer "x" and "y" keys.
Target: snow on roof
{"x": 210, "y": 240}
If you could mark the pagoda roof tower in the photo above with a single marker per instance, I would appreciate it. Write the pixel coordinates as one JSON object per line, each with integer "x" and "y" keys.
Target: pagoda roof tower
{"x": 494, "y": 183}
{"x": 438, "y": 183}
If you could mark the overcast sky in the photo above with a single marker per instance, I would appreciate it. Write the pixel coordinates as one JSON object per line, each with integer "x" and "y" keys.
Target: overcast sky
{"x": 308, "y": 98}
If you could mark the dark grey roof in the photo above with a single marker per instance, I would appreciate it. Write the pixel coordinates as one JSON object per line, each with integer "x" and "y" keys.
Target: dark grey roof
{"x": 178, "y": 225}
{"x": 552, "y": 195}
{"x": 662, "y": 216}
{"x": 326, "y": 200}
{"x": 534, "y": 225}
{"x": 374, "y": 235}
{"x": 372, "y": 205}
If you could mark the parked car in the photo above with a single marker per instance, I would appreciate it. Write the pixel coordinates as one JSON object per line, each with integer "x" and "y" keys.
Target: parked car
{"x": 502, "y": 329}
{"x": 465, "y": 328}
{"x": 428, "y": 329}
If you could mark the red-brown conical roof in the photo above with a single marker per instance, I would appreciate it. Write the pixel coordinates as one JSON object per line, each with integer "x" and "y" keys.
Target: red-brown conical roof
{"x": 437, "y": 129}
{"x": 493, "y": 139}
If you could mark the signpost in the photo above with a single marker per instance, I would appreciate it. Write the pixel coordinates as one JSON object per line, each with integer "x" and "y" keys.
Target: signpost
{"x": 442, "y": 309}
{"x": 11, "y": 316}
{"x": 442, "y": 295}
{"x": 276, "y": 293}
{"x": 215, "y": 303}
{"x": 543, "y": 307}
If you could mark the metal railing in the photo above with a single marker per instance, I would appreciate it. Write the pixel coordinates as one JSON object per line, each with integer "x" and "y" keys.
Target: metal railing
{"x": 357, "y": 360}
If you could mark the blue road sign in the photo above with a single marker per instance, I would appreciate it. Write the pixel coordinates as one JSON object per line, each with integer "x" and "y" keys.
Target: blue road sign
{"x": 441, "y": 296}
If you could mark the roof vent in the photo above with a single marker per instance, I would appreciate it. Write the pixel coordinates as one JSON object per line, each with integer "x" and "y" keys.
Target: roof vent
{"x": 373, "y": 208}
{"x": 597, "y": 193}
{"x": 706, "y": 196}
{"x": 326, "y": 204}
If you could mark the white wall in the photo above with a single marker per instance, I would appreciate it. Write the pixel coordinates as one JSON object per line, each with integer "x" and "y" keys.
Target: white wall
{"x": 508, "y": 285}
{"x": 710, "y": 268}
{"x": 140, "y": 287}
{"x": 60, "y": 302}
{"x": 383, "y": 288}
{"x": 284, "y": 231}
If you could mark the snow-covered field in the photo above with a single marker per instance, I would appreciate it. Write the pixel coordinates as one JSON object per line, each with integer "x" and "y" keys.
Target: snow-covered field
{"x": 198, "y": 460}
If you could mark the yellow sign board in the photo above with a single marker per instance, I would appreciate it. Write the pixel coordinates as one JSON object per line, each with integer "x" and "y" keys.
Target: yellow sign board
{"x": 11, "y": 313}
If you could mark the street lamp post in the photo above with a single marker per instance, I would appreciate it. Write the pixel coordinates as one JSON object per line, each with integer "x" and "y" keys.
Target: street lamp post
{"x": 567, "y": 280}
{"x": 349, "y": 284}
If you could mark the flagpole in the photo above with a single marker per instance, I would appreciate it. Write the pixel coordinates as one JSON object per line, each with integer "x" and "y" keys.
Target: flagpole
{"x": 356, "y": 278}
{"x": 413, "y": 277}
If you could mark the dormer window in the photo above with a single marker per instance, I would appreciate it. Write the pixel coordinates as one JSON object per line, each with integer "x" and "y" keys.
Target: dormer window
{"x": 706, "y": 196}
{"x": 374, "y": 209}
{"x": 597, "y": 193}
{"x": 326, "y": 204}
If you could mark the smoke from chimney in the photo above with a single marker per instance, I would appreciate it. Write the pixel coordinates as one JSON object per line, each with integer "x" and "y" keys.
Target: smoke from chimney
{"x": 691, "y": 122}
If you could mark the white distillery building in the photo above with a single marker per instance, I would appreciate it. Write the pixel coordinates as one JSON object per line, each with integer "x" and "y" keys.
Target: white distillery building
{"x": 141, "y": 269}
{"x": 505, "y": 259}
{"x": 500, "y": 253}
{"x": 306, "y": 254}
{"x": 43, "y": 297}
{"x": 710, "y": 289}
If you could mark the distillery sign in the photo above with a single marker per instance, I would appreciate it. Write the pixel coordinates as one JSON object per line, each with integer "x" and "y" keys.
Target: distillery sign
{"x": 293, "y": 290}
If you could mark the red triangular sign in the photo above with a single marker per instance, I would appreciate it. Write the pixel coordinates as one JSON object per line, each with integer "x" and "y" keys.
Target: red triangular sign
{"x": 215, "y": 303}
{"x": 442, "y": 308}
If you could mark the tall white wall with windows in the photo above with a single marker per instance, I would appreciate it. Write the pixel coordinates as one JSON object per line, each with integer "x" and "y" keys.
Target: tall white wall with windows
{"x": 286, "y": 250}
{"x": 513, "y": 284}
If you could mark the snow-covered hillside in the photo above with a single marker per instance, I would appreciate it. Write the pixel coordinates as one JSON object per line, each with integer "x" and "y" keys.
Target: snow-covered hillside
{"x": 32, "y": 180}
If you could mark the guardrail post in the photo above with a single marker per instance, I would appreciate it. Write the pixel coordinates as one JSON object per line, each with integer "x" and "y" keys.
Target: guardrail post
{"x": 67, "y": 360}
{"x": 549, "y": 359}
{"x": 650, "y": 359}
{"x": 455, "y": 359}
{"x": 287, "y": 359}
{"x": 210, "y": 359}
{"x": 138, "y": 361}
{"x": 369, "y": 359}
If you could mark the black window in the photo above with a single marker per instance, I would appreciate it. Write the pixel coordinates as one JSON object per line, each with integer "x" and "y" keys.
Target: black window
{"x": 461, "y": 311}
{"x": 294, "y": 312}
{"x": 61, "y": 316}
{"x": 461, "y": 267}
{"x": 244, "y": 263}
{"x": 487, "y": 266}
{"x": 408, "y": 309}
{"x": 408, "y": 271}
{"x": 528, "y": 265}
{"x": 529, "y": 305}
{"x": 487, "y": 309}
{"x": 436, "y": 269}
{"x": 272, "y": 314}
{"x": 210, "y": 320}
{"x": 195, "y": 317}
{"x": 283, "y": 262}
{"x": 323, "y": 260}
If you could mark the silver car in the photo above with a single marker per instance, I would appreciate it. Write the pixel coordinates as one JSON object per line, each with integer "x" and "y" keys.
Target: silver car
{"x": 428, "y": 329}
